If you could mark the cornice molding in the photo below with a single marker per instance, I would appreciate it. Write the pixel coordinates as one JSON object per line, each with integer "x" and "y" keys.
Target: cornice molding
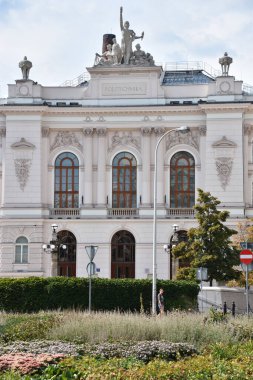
{"x": 98, "y": 114}
{"x": 231, "y": 107}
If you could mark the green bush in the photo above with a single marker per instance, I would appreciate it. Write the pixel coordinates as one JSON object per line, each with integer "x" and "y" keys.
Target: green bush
{"x": 34, "y": 294}
{"x": 19, "y": 327}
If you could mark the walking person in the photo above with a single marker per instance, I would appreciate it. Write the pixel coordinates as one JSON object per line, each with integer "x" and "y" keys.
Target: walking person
{"x": 160, "y": 300}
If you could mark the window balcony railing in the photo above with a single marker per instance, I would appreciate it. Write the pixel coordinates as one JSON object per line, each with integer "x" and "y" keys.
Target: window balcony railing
{"x": 122, "y": 212}
{"x": 64, "y": 212}
{"x": 180, "y": 212}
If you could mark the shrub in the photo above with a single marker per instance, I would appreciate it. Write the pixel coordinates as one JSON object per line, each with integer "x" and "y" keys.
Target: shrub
{"x": 144, "y": 351}
{"x": 19, "y": 327}
{"x": 35, "y": 294}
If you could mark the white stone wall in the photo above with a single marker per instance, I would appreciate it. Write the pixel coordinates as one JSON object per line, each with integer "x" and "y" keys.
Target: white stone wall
{"x": 119, "y": 113}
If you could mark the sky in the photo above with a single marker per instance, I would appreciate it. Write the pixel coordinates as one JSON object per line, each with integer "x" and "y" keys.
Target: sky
{"x": 61, "y": 37}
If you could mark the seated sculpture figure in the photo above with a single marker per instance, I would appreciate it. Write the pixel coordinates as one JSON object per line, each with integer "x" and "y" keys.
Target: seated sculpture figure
{"x": 105, "y": 58}
{"x": 139, "y": 56}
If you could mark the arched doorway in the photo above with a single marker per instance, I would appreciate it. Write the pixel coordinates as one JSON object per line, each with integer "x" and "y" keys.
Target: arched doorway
{"x": 66, "y": 261}
{"x": 123, "y": 255}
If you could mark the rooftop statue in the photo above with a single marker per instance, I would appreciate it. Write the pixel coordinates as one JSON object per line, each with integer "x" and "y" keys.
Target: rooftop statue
{"x": 105, "y": 58}
{"x": 140, "y": 58}
{"x": 25, "y": 66}
{"x": 116, "y": 55}
{"x": 225, "y": 62}
{"x": 116, "y": 52}
{"x": 128, "y": 36}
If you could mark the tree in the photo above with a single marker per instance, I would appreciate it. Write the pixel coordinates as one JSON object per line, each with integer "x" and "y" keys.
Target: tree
{"x": 209, "y": 245}
{"x": 245, "y": 233}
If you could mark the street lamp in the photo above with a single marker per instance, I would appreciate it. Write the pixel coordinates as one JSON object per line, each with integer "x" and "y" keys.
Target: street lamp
{"x": 91, "y": 267}
{"x": 54, "y": 244}
{"x": 168, "y": 247}
{"x": 183, "y": 129}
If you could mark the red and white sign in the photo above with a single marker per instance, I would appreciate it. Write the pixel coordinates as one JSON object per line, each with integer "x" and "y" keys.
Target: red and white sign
{"x": 246, "y": 256}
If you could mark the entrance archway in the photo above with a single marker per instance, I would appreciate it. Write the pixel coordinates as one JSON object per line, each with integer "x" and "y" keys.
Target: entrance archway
{"x": 66, "y": 258}
{"x": 123, "y": 255}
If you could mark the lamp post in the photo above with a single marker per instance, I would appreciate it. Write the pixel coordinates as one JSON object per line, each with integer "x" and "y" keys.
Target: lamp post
{"x": 183, "y": 129}
{"x": 168, "y": 247}
{"x": 53, "y": 246}
{"x": 91, "y": 267}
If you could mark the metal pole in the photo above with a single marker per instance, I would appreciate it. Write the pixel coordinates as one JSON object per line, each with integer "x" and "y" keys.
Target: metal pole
{"x": 247, "y": 290}
{"x": 90, "y": 288}
{"x": 201, "y": 288}
{"x": 154, "y": 277}
{"x": 154, "y": 235}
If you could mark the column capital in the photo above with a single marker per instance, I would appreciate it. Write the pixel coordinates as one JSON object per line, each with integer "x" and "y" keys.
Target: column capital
{"x": 2, "y": 132}
{"x": 159, "y": 131}
{"x": 146, "y": 131}
{"x": 45, "y": 131}
{"x": 101, "y": 131}
{"x": 88, "y": 131}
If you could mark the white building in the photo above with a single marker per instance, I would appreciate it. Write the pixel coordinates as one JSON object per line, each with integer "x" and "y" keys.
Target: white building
{"x": 82, "y": 157}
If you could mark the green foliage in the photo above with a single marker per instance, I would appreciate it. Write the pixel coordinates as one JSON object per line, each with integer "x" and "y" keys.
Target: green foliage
{"x": 225, "y": 362}
{"x": 209, "y": 244}
{"x": 35, "y": 294}
{"x": 20, "y": 327}
{"x": 144, "y": 351}
{"x": 216, "y": 316}
{"x": 186, "y": 273}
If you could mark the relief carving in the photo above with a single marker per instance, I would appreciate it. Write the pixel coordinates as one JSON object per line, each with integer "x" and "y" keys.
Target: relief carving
{"x": 202, "y": 130}
{"x": 22, "y": 170}
{"x": 190, "y": 138}
{"x": 125, "y": 138}
{"x": 65, "y": 138}
{"x": 101, "y": 131}
{"x": 224, "y": 153}
{"x": 22, "y": 154}
{"x": 2, "y": 132}
{"x": 45, "y": 132}
{"x": 224, "y": 169}
{"x": 146, "y": 131}
{"x": 88, "y": 131}
{"x": 159, "y": 131}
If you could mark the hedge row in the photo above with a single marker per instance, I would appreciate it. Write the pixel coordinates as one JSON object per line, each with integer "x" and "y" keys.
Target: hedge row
{"x": 34, "y": 294}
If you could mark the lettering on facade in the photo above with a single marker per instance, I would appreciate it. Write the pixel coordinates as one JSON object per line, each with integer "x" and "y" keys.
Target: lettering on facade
{"x": 126, "y": 89}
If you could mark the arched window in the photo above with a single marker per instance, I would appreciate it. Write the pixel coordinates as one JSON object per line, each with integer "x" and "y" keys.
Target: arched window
{"x": 21, "y": 250}
{"x": 123, "y": 255}
{"x": 124, "y": 181}
{"x": 182, "y": 180}
{"x": 66, "y": 193}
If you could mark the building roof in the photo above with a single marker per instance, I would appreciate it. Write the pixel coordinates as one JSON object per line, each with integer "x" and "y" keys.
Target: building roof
{"x": 177, "y": 77}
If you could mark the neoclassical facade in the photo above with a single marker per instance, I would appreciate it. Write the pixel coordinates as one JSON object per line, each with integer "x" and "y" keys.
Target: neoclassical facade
{"x": 82, "y": 157}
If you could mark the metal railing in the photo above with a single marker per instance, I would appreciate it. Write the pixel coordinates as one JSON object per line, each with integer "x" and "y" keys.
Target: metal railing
{"x": 191, "y": 65}
{"x": 85, "y": 77}
{"x": 180, "y": 212}
{"x": 64, "y": 212}
{"x": 168, "y": 66}
{"x": 247, "y": 89}
{"x": 122, "y": 212}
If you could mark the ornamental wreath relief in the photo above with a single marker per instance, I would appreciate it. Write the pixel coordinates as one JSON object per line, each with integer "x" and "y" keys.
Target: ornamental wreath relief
{"x": 224, "y": 169}
{"x": 22, "y": 168}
